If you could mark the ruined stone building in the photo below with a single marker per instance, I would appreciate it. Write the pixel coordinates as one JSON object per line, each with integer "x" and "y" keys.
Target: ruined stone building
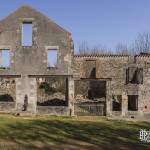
{"x": 39, "y": 73}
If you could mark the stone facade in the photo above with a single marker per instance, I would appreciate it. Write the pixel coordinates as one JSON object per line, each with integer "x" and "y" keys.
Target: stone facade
{"x": 113, "y": 70}
{"x": 30, "y": 62}
{"x": 120, "y": 83}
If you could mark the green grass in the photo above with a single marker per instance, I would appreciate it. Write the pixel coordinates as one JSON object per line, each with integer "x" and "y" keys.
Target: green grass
{"x": 84, "y": 133}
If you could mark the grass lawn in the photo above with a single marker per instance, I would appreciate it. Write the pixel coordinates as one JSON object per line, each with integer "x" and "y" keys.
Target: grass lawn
{"x": 83, "y": 133}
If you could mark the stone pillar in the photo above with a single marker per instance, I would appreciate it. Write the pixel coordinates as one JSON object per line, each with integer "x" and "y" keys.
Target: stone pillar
{"x": 33, "y": 95}
{"x": 108, "y": 99}
{"x": 71, "y": 96}
{"x": 124, "y": 105}
{"x": 141, "y": 104}
{"x": 26, "y": 87}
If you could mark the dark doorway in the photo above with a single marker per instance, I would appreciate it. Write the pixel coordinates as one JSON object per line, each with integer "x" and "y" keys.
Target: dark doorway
{"x": 90, "y": 97}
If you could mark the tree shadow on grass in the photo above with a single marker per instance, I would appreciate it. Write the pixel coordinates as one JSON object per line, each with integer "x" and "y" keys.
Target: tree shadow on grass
{"x": 72, "y": 134}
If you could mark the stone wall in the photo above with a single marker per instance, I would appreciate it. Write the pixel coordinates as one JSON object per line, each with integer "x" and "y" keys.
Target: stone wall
{"x": 30, "y": 62}
{"x": 26, "y": 87}
{"x": 113, "y": 68}
{"x": 7, "y": 107}
{"x": 107, "y": 67}
{"x": 53, "y": 110}
{"x": 144, "y": 89}
{"x": 46, "y": 35}
{"x": 27, "y": 63}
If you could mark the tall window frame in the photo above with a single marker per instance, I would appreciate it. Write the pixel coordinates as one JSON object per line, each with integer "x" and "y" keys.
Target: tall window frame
{"x": 27, "y": 33}
{"x": 5, "y": 59}
{"x": 52, "y": 56}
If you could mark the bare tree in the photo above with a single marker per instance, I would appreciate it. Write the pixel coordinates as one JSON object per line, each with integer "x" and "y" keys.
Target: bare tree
{"x": 122, "y": 49}
{"x": 84, "y": 48}
{"x": 142, "y": 43}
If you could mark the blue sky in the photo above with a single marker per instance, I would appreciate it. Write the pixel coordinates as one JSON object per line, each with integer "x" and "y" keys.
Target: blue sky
{"x": 52, "y": 58}
{"x": 5, "y": 61}
{"x": 105, "y": 22}
{"x": 27, "y": 34}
